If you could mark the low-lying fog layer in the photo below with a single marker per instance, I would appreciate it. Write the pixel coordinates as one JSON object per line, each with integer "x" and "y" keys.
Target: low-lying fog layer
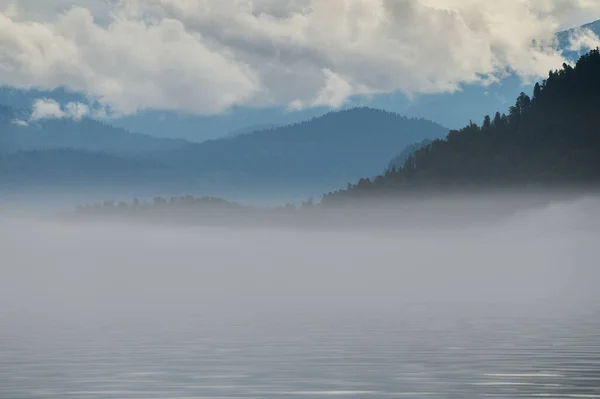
{"x": 99, "y": 279}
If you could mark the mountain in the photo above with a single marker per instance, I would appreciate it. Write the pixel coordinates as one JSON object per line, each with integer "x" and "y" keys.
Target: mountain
{"x": 289, "y": 162}
{"x": 549, "y": 139}
{"x": 17, "y": 133}
{"x": 249, "y": 129}
{"x": 448, "y": 109}
{"x": 325, "y": 151}
{"x": 65, "y": 168}
{"x": 199, "y": 128}
{"x": 399, "y": 160}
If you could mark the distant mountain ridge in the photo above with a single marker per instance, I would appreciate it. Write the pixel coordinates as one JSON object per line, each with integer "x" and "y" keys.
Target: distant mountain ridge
{"x": 305, "y": 158}
{"x": 18, "y": 133}
{"x": 64, "y": 167}
{"x": 332, "y": 148}
{"x": 250, "y": 129}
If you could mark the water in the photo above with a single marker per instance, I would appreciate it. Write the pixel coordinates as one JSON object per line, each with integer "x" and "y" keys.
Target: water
{"x": 418, "y": 353}
{"x": 129, "y": 312}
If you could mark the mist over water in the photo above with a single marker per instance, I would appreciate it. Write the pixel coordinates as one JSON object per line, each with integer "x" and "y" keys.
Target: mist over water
{"x": 117, "y": 310}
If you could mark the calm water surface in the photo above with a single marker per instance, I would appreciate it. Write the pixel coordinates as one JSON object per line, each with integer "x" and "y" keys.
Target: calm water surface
{"x": 414, "y": 353}
{"x": 129, "y": 312}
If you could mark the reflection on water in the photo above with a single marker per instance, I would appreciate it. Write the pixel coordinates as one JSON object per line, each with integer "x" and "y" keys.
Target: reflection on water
{"x": 412, "y": 354}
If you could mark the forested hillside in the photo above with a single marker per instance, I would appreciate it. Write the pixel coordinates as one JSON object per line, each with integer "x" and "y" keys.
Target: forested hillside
{"x": 399, "y": 160}
{"x": 550, "y": 138}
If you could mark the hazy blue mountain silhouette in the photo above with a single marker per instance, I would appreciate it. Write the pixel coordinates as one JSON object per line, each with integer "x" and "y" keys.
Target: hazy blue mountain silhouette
{"x": 86, "y": 135}
{"x": 76, "y": 168}
{"x": 309, "y": 157}
{"x": 334, "y": 148}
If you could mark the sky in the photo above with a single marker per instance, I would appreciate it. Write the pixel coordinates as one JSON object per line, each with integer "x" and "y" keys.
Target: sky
{"x": 204, "y": 56}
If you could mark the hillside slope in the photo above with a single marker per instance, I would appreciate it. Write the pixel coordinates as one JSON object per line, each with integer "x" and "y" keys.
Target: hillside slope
{"x": 410, "y": 149}
{"x": 549, "y": 139}
{"x": 335, "y": 148}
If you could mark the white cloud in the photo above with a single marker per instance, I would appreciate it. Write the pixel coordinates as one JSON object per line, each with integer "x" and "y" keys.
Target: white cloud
{"x": 20, "y": 122}
{"x": 206, "y": 56}
{"x": 46, "y": 108}
{"x": 76, "y": 110}
{"x": 334, "y": 93}
{"x": 584, "y": 39}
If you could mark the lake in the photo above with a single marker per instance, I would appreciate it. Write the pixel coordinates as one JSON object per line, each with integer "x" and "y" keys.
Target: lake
{"x": 418, "y": 353}
{"x": 122, "y": 312}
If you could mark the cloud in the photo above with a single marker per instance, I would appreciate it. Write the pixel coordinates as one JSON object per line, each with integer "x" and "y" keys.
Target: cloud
{"x": 76, "y": 110}
{"x": 207, "y": 56}
{"x": 46, "y": 108}
{"x": 20, "y": 122}
{"x": 584, "y": 39}
{"x": 334, "y": 93}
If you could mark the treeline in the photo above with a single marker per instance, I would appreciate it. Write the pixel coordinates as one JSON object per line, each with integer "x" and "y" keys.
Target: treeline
{"x": 551, "y": 138}
{"x": 197, "y": 211}
{"x": 187, "y": 201}
{"x": 179, "y": 203}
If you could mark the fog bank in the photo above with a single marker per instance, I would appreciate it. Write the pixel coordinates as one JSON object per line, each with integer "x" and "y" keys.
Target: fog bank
{"x": 116, "y": 275}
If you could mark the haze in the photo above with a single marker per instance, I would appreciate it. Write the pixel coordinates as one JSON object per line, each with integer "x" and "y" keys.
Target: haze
{"x": 113, "y": 273}
{"x": 116, "y": 310}
{"x": 270, "y": 199}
